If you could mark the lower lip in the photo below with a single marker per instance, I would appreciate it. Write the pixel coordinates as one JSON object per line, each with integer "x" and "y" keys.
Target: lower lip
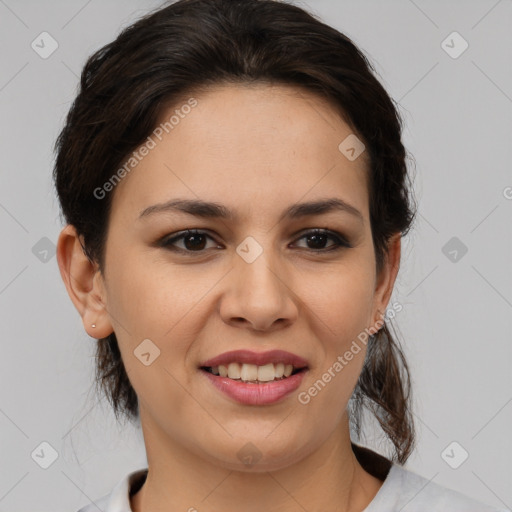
{"x": 256, "y": 394}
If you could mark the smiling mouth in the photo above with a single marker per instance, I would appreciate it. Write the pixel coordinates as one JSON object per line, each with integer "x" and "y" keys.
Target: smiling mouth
{"x": 250, "y": 373}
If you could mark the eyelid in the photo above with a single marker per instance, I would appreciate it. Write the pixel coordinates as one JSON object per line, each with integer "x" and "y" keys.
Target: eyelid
{"x": 167, "y": 240}
{"x": 340, "y": 240}
{"x": 327, "y": 232}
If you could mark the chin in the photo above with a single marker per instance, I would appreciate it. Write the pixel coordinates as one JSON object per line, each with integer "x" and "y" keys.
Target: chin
{"x": 259, "y": 456}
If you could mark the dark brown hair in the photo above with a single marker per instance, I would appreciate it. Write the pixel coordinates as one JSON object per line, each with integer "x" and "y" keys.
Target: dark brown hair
{"x": 186, "y": 47}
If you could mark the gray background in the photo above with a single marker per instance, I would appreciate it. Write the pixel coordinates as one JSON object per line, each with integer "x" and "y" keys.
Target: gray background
{"x": 456, "y": 323}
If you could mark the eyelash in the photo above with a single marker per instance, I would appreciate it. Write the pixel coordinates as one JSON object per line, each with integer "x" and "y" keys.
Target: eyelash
{"x": 340, "y": 241}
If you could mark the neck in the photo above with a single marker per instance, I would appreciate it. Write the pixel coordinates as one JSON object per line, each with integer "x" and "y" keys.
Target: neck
{"x": 330, "y": 477}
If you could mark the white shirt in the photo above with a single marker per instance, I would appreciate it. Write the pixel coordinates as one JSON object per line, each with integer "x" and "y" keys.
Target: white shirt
{"x": 402, "y": 490}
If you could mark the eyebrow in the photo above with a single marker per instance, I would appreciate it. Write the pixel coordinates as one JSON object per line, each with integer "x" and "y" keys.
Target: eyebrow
{"x": 211, "y": 210}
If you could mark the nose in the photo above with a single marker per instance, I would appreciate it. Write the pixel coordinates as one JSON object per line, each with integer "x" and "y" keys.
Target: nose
{"x": 259, "y": 295}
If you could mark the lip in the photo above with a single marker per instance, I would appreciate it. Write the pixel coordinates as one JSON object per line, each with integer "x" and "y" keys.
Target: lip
{"x": 257, "y": 358}
{"x": 254, "y": 393}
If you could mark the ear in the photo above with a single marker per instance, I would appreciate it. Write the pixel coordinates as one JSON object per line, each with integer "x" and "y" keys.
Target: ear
{"x": 84, "y": 283}
{"x": 385, "y": 281}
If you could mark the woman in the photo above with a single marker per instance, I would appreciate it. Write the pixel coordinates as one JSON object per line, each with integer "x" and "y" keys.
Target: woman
{"x": 235, "y": 191}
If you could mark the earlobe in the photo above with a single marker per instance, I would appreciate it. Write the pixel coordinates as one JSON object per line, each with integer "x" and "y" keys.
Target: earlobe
{"x": 83, "y": 282}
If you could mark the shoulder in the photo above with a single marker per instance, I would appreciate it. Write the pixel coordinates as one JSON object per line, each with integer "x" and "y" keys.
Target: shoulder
{"x": 403, "y": 489}
{"x": 407, "y": 490}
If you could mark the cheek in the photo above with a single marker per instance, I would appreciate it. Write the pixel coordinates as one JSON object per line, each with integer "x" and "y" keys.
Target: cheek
{"x": 155, "y": 295}
{"x": 341, "y": 312}
{"x": 165, "y": 304}
{"x": 341, "y": 305}
{"x": 161, "y": 304}
{"x": 341, "y": 299}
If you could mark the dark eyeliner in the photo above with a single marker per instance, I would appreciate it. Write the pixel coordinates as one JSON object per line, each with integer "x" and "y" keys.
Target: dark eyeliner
{"x": 339, "y": 240}
{"x": 167, "y": 241}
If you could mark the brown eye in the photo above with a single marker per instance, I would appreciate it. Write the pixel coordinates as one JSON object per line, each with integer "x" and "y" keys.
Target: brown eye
{"x": 317, "y": 238}
{"x": 193, "y": 241}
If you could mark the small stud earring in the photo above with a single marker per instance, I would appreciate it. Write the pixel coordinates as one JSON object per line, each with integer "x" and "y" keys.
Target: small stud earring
{"x": 93, "y": 325}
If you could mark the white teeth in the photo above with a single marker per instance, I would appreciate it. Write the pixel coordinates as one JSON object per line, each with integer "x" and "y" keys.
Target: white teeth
{"x": 279, "y": 370}
{"x": 234, "y": 371}
{"x": 266, "y": 373}
{"x": 248, "y": 372}
{"x": 252, "y": 372}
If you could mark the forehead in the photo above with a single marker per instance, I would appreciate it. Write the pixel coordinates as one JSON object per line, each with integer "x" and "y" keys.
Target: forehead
{"x": 246, "y": 145}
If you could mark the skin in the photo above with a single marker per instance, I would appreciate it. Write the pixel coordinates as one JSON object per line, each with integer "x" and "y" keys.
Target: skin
{"x": 256, "y": 149}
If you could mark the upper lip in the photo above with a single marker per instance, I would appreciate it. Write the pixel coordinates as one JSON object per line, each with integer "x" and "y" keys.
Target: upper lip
{"x": 257, "y": 358}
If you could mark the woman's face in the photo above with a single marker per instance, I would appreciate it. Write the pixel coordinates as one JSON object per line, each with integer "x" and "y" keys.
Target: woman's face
{"x": 252, "y": 281}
